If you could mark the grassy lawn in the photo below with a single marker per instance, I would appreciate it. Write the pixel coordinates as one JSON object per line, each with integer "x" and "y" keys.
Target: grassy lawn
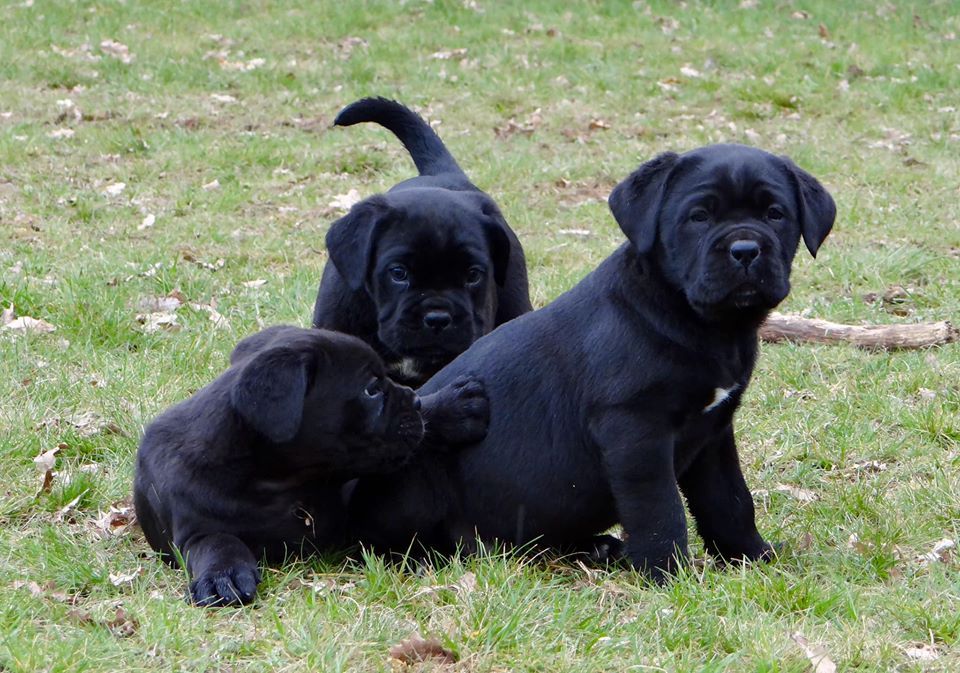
{"x": 214, "y": 117}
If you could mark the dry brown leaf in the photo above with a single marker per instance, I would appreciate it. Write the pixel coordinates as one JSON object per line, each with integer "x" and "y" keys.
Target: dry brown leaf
{"x": 148, "y": 221}
{"x": 114, "y": 189}
{"x": 417, "y": 649}
{"x": 58, "y": 134}
{"x": 45, "y": 463}
{"x": 259, "y": 282}
{"x": 26, "y": 324}
{"x": 817, "y": 655}
{"x": 159, "y": 322}
{"x": 119, "y": 579}
{"x": 345, "y": 201}
{"x": 48, "y": 590}
{"x": 122, "y": 624}
{"x": 801, "y": 494}
{"x": 941, "y": 552}
{"x": 922, "y": 652}
{"x": 210, "y": 186}
{"x": 167, "y": 304}
{"x": 118, "y": 520}
{"x": 117, "y": 50}
{"x": 90, "y": 423}
{"x": 65, "y": 513}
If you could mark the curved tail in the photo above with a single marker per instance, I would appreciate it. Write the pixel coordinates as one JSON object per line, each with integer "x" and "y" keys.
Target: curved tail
{"x": 425, "y": 147}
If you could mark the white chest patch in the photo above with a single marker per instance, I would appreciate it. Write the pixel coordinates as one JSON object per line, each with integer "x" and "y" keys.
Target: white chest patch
{"x": 720, "y": 396}
{"x": 406, "y": 367}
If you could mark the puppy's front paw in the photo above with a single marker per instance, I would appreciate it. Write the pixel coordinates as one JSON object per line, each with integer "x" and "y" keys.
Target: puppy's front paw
{"x": 469, "y": 411}
{"x": 222, "y": 587}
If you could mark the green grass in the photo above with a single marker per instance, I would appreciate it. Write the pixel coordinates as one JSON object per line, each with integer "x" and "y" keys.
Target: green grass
{"x": 868, "y": 103}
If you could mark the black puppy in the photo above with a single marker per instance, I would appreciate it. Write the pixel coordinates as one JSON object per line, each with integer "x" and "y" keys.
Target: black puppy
{"x": 252, "y": 464}
{"x": 625, "y": 387}
{"x": 426, "y": 269}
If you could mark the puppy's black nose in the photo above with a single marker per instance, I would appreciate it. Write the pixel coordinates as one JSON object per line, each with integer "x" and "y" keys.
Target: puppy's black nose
{"x": 745, "y": 252}
{"x": 437, "y": 320}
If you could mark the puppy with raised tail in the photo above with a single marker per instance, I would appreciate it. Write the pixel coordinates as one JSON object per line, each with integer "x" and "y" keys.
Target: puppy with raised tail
{"x": 252, "y": 465}
{"x": 426, "y": 269}
{"x": 618, "y": 398}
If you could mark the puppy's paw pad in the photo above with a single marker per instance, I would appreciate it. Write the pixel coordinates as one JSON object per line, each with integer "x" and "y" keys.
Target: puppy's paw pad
{"x": 225, "y": 587}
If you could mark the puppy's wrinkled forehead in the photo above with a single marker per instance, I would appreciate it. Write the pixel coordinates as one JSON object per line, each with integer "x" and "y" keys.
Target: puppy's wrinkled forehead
{"x": 734, "y": 176}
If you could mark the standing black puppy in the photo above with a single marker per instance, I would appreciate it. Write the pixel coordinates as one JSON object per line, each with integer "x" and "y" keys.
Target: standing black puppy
{"x": 625, "y": 387}
{"x": 426, "y": 269}
{"x": 252, "y": 465}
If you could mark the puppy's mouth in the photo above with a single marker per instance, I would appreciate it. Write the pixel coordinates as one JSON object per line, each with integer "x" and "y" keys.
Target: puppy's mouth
{"x": 746, "y": 296}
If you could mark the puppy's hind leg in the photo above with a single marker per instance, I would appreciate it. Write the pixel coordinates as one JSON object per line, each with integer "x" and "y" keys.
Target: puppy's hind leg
{"x": 721, "y": 503}
{"x": 222, "y": 569}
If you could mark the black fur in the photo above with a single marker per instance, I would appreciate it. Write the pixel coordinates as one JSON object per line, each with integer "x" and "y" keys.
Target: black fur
{"x": 424, "y": 270}
{"x": 253, "y": 464}
{"x": 606, "y": 401}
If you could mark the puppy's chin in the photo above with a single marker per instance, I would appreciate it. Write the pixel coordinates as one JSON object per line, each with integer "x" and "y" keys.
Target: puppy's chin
{"x": 746, "y": 303}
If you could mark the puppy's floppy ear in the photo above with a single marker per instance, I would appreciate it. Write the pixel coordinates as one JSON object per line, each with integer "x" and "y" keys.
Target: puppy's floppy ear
{"x": 635, "y": 202}
{"x": 817, "y": 209}
{"x": 269, "y": 392}
{"x": 351, "y": 239}
{"x": 495, "y": 227}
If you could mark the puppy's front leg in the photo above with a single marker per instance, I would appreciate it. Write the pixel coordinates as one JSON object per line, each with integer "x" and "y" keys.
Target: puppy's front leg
{"x": 456, "y": 414}
{"x": 721, "y": 503}
{"x": 638, "y": 459}
{"x": 222, "y": 568}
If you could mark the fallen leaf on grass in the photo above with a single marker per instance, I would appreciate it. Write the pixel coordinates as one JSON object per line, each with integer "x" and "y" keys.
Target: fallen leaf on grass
{"x": 922, "y": 652}
{"x": 90, "y": 423}
{"x": 122, "y": 624}
{"x": 210, "y": 186}
{"x": 526, "y": 127}
{"x": 223, "y": 98}
{"x": 345, "y": 201}
{"x": 215, "y": 266}
{"x": 801, "y": 494}
{"x": 215, "y": 317}
{"x": 159, "y": 322}
{"x": 45, "y": 463}
{"x": 10, "y": 321}
{"x": 119, "y": 579}
{"x": 58, "y": 134}
{"x": 417, "y": 649}
{"x": 48, "y": 590}
{"x": 166, "y": 304}
{"x": 817, "y": 655}
{"x": 117, "y": 50}
{"x": 941, "y": 552}
{"x": 118, "y": 520}
{"x": 148, "y": 221}
{"x": 260, "y": 282}
{"x": 114, "y": 189}
{"x": 65, "y": 513}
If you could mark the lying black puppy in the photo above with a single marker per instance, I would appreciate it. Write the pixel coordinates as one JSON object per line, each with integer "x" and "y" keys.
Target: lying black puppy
{"x": 252, "y": 464}
{"x": 625, "y": 386}
{"x": 426, "y": 269}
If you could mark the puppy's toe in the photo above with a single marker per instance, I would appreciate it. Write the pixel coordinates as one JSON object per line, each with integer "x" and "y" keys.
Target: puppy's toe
{"x": 229, "y": 586}
{"x": 606, "y": 549}
{"x": 467, "y": 387}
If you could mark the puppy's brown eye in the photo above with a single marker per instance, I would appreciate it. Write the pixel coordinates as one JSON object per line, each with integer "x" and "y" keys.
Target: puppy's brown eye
{"x": 700, "y": 215}
{"x": 398, "y": 273}
{"x": 474, "y": 275}
{"x": 775, "y": 214}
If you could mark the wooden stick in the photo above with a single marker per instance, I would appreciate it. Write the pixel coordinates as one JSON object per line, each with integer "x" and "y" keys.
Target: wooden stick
{"x": 780, "y": 327}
